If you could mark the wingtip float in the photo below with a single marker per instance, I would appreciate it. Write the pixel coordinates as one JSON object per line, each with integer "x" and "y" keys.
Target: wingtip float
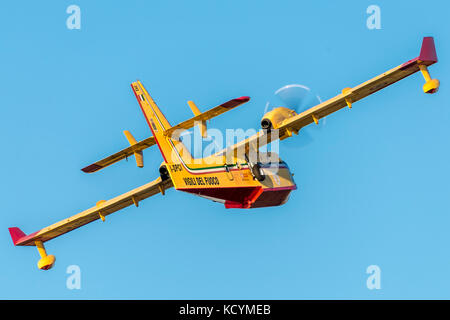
{"x": 237, "y": 183}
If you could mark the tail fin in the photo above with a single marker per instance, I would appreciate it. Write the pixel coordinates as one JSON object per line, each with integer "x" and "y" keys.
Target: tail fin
{"x": 149, "y": 108}
{"x": 172, "y": 150}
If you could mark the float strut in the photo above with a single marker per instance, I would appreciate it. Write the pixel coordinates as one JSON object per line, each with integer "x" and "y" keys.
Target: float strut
{"x": 46, "y": 261}
{"x": 431, "y": 85}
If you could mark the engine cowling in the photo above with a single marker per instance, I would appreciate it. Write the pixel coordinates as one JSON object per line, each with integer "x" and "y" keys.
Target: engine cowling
{"x": 273, "y": 118}
{"x": 163, "y": 172}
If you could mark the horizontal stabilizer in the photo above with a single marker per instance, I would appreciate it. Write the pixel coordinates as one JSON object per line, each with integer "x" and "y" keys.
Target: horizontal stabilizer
{"x": 211, "y": 113}
{"x": 122, "y": 154}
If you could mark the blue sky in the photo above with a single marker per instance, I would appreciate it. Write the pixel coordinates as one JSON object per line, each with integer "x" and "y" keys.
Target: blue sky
{"x": 373, "y": 185}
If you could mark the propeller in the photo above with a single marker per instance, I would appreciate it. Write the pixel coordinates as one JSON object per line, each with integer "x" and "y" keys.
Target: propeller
{"x": 299, "y": 98}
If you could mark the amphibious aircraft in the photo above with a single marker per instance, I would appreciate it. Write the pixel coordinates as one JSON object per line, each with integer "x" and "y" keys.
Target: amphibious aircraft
{"x": 234, "y": 176}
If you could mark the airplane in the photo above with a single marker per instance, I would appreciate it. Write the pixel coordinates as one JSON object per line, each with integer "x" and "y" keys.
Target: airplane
{"x": 233, "y": 176}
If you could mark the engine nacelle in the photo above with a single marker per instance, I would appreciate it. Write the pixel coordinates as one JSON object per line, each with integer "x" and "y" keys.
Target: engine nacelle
{"x": 273, "y": 118}
{"x": 163, "y": 172}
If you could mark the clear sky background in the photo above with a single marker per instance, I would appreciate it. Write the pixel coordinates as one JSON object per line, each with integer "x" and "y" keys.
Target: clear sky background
{"x": 373, "y": 185}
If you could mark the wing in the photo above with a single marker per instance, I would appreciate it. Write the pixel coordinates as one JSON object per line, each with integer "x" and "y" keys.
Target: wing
{"x": 122, "y": 154}
{"x": 348, "y": 96}
{"x": 100, "y": 211}
{"x": 211, "y": 113}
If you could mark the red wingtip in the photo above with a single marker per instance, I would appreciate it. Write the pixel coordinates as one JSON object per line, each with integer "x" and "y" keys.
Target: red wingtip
{"x": 244, "y": 98}
{"x": 91, "y": 168}
{"x": 16, "y": 234}
{"x": 235, "y": 102}
{"x": 428, "y": 50}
